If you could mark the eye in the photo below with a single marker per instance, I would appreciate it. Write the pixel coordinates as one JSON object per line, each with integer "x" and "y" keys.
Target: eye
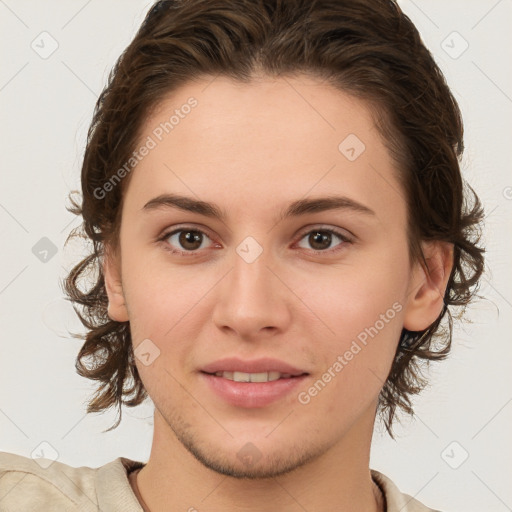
{"x": 321, "y": 239}
{"x": 190, "y": 239}
{"x": 187, "y": 241}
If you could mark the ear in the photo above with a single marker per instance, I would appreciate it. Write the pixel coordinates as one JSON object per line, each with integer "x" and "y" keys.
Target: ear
{"x": 117, "y": 309}
{"x": 427, "y": 287}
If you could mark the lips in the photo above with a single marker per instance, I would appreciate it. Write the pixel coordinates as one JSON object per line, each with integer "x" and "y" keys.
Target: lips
{"x": 252, "y": 384}
{"x": 257, "y": 366}
{"x": 252, "y": 377}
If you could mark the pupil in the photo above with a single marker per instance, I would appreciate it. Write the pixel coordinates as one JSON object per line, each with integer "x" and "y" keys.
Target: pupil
{"x": 319, "y": 237}
{"x": 188, "y": 237}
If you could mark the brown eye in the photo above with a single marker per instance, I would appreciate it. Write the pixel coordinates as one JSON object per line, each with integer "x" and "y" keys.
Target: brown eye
{"x": 184, "y": 241}
{"x": 189, "y": 240}
{"x": 321, "y": 240}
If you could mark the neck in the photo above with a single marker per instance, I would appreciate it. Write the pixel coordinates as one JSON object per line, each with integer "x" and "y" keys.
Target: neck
{"x": 338, "y": 479}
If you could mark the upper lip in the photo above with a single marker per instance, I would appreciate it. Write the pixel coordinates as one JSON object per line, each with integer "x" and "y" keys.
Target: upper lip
{"x": 266, "y": 364}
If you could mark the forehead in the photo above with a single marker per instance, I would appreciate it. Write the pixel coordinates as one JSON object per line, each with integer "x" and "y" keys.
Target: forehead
{"x": 272, "y": 138}
{"x": 287, "y": 107}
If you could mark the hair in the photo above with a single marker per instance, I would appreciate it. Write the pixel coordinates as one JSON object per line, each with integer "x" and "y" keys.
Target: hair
{"x": 366, "y": 48}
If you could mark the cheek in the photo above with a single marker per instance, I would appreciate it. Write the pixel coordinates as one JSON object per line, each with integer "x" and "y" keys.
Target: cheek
{"x": 355, "y": 365}
{"x": 159, "y": 295}
{"x": 351, "y": 301}
{"x": 168, "y": 307}
{"x": 361, "y": 316}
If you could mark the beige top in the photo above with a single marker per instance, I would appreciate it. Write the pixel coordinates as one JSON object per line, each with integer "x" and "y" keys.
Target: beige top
{"x": 27, "y": 485}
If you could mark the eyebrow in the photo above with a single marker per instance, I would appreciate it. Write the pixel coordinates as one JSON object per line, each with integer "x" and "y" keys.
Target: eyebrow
{"x": 295, "y": 209}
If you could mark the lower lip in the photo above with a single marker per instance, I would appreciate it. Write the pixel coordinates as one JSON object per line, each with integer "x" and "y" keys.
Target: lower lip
{"x": 252, "y": 394}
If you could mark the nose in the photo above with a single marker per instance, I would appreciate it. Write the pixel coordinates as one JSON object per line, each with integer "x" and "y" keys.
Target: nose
{"x": 252, "y": 300}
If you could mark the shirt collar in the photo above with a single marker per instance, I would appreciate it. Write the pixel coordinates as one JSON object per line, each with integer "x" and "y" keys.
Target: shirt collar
{"x": 114, "y": 491}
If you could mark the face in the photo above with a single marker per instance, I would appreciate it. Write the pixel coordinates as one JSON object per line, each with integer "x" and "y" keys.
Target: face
{"x": 270, "y": 284}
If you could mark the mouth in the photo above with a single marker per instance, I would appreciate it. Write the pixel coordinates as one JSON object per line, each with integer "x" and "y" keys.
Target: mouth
{"x": 269, "y": 376}
{"x": 252, "y": 384}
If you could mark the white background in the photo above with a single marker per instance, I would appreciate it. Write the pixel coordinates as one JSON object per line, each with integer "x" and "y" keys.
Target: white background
{"x": 46, "y": 108}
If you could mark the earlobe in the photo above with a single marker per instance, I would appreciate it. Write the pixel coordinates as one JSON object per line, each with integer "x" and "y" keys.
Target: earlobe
{"x": 116, "y": 302}
{"x": 425, "y": 300}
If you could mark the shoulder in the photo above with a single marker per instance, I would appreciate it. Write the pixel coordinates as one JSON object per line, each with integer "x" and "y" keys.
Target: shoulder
{"x": 26, "y": 482}
{"x": 42, "y": 484}
{"x": 396, "y": 500}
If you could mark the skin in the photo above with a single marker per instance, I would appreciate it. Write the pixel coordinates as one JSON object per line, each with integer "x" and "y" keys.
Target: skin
{"x": 252, "y": 149}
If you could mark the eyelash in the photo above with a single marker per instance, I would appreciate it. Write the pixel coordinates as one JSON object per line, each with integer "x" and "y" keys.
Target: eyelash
{"x": 345, "y": 239}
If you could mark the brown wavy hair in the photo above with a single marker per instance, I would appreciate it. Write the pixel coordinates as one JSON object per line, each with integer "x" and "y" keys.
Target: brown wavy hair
{"x": 367, "y": 48}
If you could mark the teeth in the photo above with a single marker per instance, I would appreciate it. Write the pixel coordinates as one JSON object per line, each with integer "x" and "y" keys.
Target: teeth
{"x": 256, "y": 377}
{"x": 253, "y": 377}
